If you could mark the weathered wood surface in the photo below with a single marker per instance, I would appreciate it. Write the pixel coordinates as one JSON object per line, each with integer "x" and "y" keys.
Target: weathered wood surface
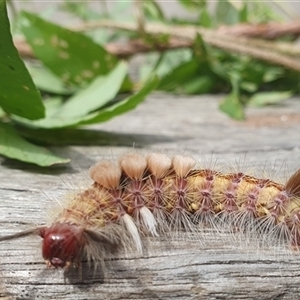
{"x": 217, "y": 268}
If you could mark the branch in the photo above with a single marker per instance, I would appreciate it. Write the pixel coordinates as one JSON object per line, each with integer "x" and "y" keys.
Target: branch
{"x": 267, "y": 31}
{"x": 184, "y": 36}
{"x": 121, "y": 50}
{"x": 254, "y": 48}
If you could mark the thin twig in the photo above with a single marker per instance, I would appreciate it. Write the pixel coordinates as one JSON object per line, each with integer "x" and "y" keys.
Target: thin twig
{"x": 140, "y": 18}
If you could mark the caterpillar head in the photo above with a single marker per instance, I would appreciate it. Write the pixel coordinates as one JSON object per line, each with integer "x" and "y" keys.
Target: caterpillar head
{"x": 62, "y": 244}
{"x": 65, "y": 244}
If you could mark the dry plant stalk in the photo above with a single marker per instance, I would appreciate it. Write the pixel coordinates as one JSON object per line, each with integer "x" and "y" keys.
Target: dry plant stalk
{"x": 266, "y": 31}
{"x": 241, "y": 45}
{"x": 233, "y": 39}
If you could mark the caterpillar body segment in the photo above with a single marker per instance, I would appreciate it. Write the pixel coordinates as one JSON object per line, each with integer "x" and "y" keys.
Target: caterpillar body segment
{"x": 150, "y": 196}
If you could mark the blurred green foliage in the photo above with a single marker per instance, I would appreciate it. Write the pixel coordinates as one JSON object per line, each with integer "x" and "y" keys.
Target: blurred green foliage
{"x": 76, "y": 81}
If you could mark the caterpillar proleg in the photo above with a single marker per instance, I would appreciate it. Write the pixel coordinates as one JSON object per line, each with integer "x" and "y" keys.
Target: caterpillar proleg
{"x": 153, "y": 195}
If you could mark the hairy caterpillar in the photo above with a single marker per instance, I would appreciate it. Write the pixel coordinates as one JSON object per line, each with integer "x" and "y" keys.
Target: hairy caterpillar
{"x": 154, "y": 195}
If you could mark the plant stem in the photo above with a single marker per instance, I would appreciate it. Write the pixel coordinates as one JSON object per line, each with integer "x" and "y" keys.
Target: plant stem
{"x": 284, "y": 54}
{"x": 226, "y": 42}
{"x": 140, "y": 18}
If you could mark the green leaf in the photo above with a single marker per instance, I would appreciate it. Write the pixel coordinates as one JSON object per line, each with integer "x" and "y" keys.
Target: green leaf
{"x": 52, "y": 105}
{"x": 248, "y": 86}
{"x": 96, "y": 95}
{"x": 178, "y": 75}
{"x": 163, "y": 63}
{"x": 72, "y": 56}
{"x": 18, "y": 94}
{"x": 200, "y": 50}
{"x": 266, "y": 98}
{"x": 14, "y": 146}
{"x": 46, "y": 81}
{"x": 226, "y": 13}
{"x": 2, "y": 113}
{"x": 80, "y": 10}
{"x": 244, "y": 13}
{"x": 232, "y": 104}
{"x": 117, "y": 11}
{"x": 198, "y": 85}
{"x": 261, "y": 12}
{"x": 205, "y": 19}
{"x": 153, "y": 11}
{"x": 193, "y": 4}
{"x": 122, "y": 106}
{"x": 272, "y": 73}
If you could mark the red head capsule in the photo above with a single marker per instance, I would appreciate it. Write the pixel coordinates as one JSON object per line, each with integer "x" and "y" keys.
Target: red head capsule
{"x": 62, "y": 245}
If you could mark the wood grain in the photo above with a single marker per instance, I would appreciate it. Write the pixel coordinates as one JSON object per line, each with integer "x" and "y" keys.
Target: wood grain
{"x": 211, "y": 267}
